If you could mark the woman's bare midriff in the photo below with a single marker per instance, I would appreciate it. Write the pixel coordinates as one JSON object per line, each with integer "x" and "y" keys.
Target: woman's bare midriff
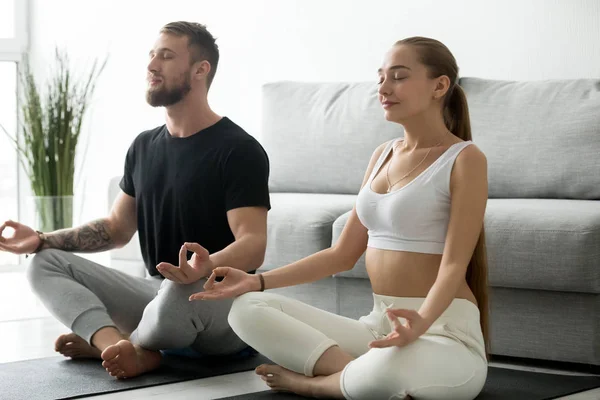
{"x": 407, "y": 274}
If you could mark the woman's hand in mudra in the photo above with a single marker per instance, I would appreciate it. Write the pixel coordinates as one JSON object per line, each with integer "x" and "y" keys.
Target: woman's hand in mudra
{"x": 402, "y": 334}
{"x": 235, "y": 283}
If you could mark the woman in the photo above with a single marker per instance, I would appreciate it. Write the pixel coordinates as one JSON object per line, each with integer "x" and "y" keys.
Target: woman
{"x": 419, "y": 215}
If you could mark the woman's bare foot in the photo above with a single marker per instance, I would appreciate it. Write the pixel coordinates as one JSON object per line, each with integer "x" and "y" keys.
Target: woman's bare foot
{"x": 73, "y": 346}
{"x": 284, "y": 380}
{"x": 126, "y": 360}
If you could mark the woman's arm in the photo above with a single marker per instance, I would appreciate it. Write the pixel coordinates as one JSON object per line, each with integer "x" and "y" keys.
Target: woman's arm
{"x": 340, "y": 257}
{"x": 469, "y": 193}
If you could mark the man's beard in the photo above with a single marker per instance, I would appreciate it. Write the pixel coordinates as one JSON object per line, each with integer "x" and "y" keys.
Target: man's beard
{"x": 163, "y": 97}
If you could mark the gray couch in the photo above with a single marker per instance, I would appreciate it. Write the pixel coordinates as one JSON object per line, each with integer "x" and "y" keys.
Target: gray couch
{"x": 542, "y": 142}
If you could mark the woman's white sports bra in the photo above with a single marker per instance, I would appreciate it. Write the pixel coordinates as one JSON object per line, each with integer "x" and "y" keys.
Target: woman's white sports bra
{"x": 415, "y": 217}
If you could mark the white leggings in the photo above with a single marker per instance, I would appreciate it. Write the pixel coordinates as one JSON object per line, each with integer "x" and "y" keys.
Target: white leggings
{"x": 447, "y": 362}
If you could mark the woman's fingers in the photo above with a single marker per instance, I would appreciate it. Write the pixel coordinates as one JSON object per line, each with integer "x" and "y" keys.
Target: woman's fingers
{"x": 210, "y": 282}
{"x": 395, "y": 321}
{"x": 404, "y": 313}
{"x": 381, "y": 343}
{"x": 212, "y": 295}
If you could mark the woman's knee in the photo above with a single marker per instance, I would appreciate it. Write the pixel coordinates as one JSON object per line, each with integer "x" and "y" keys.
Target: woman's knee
{"x": 372, "y": 376}
{"x": 399, "y": 372}
{"x": 244, "y": 308}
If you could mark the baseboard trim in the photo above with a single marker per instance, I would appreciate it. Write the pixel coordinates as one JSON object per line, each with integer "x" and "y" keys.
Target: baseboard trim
{"x": 547, "y": 364}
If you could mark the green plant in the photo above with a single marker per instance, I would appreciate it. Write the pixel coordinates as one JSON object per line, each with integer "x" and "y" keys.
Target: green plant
{"x": 50, "y": 129}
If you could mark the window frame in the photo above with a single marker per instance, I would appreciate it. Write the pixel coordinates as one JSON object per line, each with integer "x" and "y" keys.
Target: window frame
{"x": 12, "y": 49}
{"x": 16, "y": 260}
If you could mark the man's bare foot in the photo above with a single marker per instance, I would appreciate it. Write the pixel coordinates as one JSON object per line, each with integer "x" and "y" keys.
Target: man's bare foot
{"x": 73, "y": 346}
{"x": 284, "y": 380}
{"x": 126, "y": 360}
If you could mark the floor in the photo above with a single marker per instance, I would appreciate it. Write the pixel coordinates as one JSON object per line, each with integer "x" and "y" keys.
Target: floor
{"x": 31, "y": 332}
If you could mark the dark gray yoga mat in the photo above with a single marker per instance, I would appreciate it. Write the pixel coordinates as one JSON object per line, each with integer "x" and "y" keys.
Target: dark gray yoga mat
{"x": 60, "y": 378}
{"x": 502, "y": 384}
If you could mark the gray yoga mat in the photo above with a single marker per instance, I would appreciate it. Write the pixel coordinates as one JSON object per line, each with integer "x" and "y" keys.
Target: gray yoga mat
{"x": 502, "y": 384}
{"x": 60, "y": 378}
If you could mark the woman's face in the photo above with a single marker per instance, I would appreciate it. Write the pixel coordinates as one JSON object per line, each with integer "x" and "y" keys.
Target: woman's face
{"x": 405, "y": 89}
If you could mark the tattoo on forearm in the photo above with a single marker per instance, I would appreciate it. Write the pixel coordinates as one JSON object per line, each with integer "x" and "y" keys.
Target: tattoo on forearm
{"x": 92, "y": 237}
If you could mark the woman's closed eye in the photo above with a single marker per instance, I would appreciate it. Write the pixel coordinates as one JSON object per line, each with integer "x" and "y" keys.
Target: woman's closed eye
{"x": 396, "y": 78}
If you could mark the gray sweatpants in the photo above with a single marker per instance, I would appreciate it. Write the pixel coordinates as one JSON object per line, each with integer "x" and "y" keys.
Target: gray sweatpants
{"x": 157, "y": 314}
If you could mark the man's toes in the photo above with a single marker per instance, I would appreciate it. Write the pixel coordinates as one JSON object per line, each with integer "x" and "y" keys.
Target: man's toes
{"x": 113, "y": 368}
{"x": 62, "y": 340}
{"x": 67, "y": 347}
{"x": 118, "y": 374}
{"x": 110, "y": 353}
{"x": 109, "y": 363}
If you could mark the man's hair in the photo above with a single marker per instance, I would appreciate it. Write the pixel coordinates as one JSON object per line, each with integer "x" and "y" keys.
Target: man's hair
{"x": 201, "y": 44}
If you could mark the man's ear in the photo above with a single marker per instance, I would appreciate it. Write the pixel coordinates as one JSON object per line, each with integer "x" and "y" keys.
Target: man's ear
{"x": 201, "y": 69}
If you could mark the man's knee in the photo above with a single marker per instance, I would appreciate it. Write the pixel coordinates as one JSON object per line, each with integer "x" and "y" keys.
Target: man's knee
{"x": 176, "y": 292}
{"x": 169, "y": 320}
{"x": 173, "y": 298}
{"x": 41, "y": 264}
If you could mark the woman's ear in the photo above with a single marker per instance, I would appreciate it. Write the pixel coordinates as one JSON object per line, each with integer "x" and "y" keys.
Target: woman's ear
{"x": 441, "y": 87}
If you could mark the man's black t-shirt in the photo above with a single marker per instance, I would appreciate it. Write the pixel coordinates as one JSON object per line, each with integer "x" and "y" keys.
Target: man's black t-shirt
{"x": 184, "y": 187}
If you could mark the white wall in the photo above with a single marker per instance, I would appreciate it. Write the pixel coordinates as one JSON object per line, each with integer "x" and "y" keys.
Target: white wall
{"x": 323, "y": 40}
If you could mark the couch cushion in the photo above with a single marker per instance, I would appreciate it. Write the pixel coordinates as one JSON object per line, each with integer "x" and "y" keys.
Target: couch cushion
{"x": 320, "y": 136}
{"x": 131, "y": 251}
{"x": 299, "y": 224}
{"x": 541, "y": 138}
{"x": 545, "y": 325}
{"x": 544, "y": 244}
{"x": 534, "y": 244}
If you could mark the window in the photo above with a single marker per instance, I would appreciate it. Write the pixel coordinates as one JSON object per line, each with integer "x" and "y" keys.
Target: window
{"x": 13, "y": 29}
{"x": 8, "y": 155}
{"x": 13, "y": 43}
{"x": 7, "y": 19}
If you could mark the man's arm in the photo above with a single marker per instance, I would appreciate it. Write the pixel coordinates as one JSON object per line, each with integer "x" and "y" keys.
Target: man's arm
{"x": 103, "y": 234}
{"x": 246, "y": 183}
{"x": 247, "y": 252}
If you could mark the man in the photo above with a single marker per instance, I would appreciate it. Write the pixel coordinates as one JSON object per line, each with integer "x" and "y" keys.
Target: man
{"x": 197, "y": 184}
